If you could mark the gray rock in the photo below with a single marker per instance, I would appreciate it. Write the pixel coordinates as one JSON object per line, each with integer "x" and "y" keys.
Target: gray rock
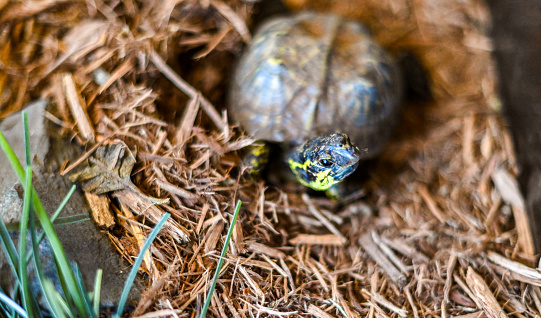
{"x": 12, "y": 129}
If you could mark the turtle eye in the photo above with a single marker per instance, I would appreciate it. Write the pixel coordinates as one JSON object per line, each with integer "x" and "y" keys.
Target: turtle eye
{"x": 325, "y": 162}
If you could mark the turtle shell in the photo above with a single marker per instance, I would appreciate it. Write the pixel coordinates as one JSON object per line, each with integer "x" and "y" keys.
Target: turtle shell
{"x": 313, "y": 74}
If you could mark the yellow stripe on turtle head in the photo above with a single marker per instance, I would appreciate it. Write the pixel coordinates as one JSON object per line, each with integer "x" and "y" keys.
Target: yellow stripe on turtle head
{"x": 323, "y": 180}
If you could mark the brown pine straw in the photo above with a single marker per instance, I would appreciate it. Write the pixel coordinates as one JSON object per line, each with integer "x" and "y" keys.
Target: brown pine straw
{"x": 437, "y": 230}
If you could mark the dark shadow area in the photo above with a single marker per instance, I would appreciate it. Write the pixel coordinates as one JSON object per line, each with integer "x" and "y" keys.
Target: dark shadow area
{"x": 517, "y": 38}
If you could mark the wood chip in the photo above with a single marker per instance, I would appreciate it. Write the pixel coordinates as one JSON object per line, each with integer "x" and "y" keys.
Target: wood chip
{"x": 214, "y": 234}
{"x": 410, "y": 301}
{"x": 191, "y": 92}
{"x": 467, "y": 141}
{"x": 324, "y": 240}
{"x": 187, "y": 121}
{"x": 141, "y": 206}
{"x": 449, "y": 280}
{"x": 484, "y": 295}
{"x": 190, "y": 197}
{"x": 375, "y": 253}
{"x": 315, "y": 212}
{"x": 390, "y": 254}
{"x": 529, "y": 274}
{"x": 264, "y": 249}
{"x": 385, "y": 303}
{"x": 406, "y": 249}
{"x": 432, "y": 207}
{"x": 137, "y": 231}
{"x": 100, "y": 210}
{"x": 317, "y": 312}
{"x": 77, "y": 110}
{"x": 233, "y": 18}
{"x": 117, "y": 73}
{"x": 508, "y": 188}
{"x": 479, "y": 314}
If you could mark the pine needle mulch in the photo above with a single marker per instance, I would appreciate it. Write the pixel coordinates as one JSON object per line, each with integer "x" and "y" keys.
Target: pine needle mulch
{"x": 437, "y": 230}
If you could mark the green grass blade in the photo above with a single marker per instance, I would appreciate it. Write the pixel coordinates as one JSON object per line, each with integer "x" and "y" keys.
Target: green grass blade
{"x": 13, "y": 305}
{"x": 23, "y": 275}
{"x": 63, "y": 204}
{"x": 58, "y": 305}
{"x": 68, "y": 297}
{"x": 47, "y": 225}
{"x": 71, "y": 219}
{"x": 39, "y": 268}
{"x": 6, "y": 311}
{"x": 26, "y": 131}
{"x": 9, "y": 249}
{"x": 64, "y": 267}
{"x": 137, "y": 264}
{"x": 220, "y": 261}
{"x": 97, "y": 292}
{"x": 63, "y": 220}
{"x": 82, "y": 290}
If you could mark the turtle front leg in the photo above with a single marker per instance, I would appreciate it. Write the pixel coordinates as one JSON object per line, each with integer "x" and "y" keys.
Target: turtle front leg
{"x": 256, "y": 158}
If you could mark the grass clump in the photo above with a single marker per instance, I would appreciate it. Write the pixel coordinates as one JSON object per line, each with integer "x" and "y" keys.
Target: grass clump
{"x": 73, "y": 300}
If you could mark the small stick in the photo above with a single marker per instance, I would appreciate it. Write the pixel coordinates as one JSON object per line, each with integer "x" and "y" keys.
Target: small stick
{"x": 484, "y": 295}
{"x": 317, "y": 312}
{"x": 410, "y": 300}
{"x": 77, "y": 111}
{"x": 190, "y": 91}
{"x": 449, "y": 281}
{"x": 372, "y": 249}
{"x": 467, "y": 289}
{"x": 378, "y": 298}
{"x": 507, "y": 186}
{"x": 406, "y": 250}
{"x": 390, "y": 254}
{"x": 432, "y": 207}
{"x": 233, "y": 18}
{"x": 516, "y": 267}
{"x": 467, "y": 142}
{"x": 322, "y": 219}
{"x": 312, "y": 239}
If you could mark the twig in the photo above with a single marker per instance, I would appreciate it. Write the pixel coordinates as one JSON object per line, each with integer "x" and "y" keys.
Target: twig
{"x": 390, "y": 254}
{"x": 516, "y": 267}
{"x": 432, "y": 207}
{"x": 315, "y": 212}
{"x": 79, "y": 114}
{"x": 372, "y": 249}
{"x": 385, "y": 303}
{"x": 507, "y": 186}
{"x": 308, "y": 239}
{"x": 317, "y": 312}
{"x": 484, "y": 295}
{"x": 233, "y": 18}
{"x": 190, "y": 91}
{"x": 449, "y": 280}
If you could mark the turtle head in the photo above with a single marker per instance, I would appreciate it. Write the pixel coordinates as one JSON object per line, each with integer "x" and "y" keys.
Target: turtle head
{"x": 324, "y": 161}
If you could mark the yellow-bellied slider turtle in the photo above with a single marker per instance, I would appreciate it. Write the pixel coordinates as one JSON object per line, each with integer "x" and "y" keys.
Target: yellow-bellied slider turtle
{"x": 321, "y": 83}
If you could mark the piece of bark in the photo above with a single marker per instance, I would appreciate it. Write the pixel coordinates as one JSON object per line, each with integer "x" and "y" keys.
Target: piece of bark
{"x": 99, "y": 210}
{"x": 484, "y": 295}
{"x": 375, "y": 253}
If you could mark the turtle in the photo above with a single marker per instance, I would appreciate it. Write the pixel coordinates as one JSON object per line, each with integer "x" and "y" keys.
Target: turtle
{"x": 319, "y": 85}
